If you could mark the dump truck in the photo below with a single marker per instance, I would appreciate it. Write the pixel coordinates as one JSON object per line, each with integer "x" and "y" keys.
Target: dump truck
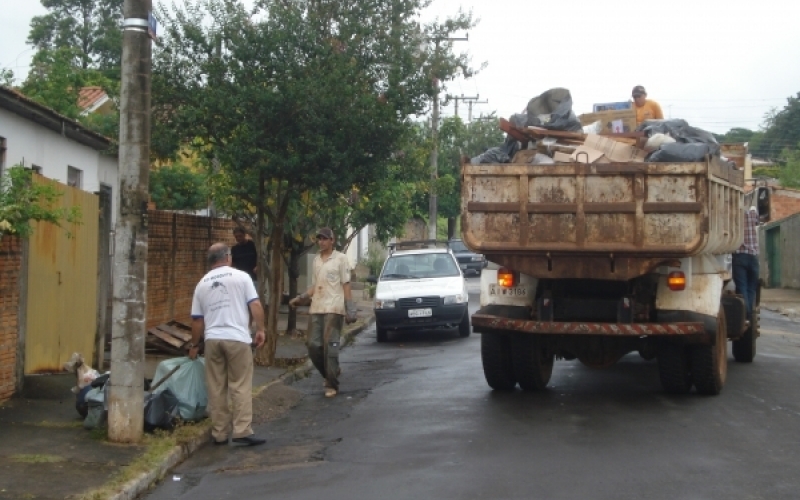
{"x": 599, "y": 260}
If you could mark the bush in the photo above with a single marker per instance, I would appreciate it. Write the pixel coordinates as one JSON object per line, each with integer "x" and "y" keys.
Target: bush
{"x": 373, "y": 260}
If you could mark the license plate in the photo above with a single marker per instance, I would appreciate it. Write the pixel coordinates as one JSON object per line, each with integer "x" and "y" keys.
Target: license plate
{"x": 496, "y": 290}
{"x": 420, "y": 313}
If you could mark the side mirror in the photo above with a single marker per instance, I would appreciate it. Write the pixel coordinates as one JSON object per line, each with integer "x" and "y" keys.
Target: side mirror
{"x": 372, "y": 279}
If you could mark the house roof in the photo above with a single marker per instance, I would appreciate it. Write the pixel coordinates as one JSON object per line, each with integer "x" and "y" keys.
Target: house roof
{"x": 90, "y": 98}
{"x": 25, "y": 107}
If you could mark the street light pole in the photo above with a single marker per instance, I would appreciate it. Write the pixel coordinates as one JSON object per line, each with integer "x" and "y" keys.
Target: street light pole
{"x": 126, "y": 394}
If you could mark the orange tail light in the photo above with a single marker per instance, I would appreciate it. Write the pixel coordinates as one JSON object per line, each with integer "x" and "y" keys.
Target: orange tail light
{"x": 676, "y": 281}
{"x": 506, "y": 278}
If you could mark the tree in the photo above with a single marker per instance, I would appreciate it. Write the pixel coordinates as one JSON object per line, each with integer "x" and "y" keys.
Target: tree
{"x": 176, "y": 187}
{"x": 292, "y": 98}
{"x": 23, "y": 200}
{"x": 735, "y": 135}
{"x": 781, "y": 130}
{"x": 789, "y": 173}
{"x": 92, "y": 29}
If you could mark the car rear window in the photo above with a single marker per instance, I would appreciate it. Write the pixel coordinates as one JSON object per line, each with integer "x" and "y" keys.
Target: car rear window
{"x": 399, "y": 267}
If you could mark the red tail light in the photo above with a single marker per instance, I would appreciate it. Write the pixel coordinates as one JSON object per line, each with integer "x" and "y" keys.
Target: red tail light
{"x": 676, "y": 281}
{"x": 506, "y": 278}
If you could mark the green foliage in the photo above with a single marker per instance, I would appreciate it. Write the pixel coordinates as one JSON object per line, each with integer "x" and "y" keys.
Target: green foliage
{"x": 176, "y": 187}
{"x": 735, "y": 135}
{"x": 374, "y": 260}
{"x": 22, "y": 200}
{"x": 771, "y": 172}
{"x": 55, "y": 81}
{"x": 6, "y": 77}
{"x": 91, "y": 28}
{"x": 789, "y": 173}
{"x": 781, "y": 131}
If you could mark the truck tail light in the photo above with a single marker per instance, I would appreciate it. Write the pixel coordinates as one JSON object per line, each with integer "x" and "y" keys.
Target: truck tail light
{"x": 676, "y": 281}
{"x": 506, "y": 278}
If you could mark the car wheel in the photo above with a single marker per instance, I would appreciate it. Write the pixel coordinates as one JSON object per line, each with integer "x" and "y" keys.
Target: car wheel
{"x": 382, "y": 334}
{"x": 464, "y": 328}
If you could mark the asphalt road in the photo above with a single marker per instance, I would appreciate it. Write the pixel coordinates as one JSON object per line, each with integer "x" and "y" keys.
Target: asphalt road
{"x": 416, "y": 420}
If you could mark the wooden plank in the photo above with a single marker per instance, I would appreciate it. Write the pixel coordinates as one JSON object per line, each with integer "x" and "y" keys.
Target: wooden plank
{"x": 179, "y": 333}
{"x": 510, "y": 129}
{"x": 169, "y": 339}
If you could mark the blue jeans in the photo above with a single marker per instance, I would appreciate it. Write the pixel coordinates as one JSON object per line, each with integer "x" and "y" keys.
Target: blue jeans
{"x": 745, "y": 275}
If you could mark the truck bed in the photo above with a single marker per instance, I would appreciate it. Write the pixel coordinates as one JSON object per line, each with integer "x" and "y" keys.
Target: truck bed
{"x": 627, "y": 217}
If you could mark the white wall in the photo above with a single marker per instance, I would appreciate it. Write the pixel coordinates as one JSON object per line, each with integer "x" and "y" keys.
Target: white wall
{"x": 29, "y": 143}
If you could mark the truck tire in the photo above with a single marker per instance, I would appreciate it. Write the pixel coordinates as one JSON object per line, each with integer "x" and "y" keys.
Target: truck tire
{"x": 710, "y": 362}
{"x": 674, "y": 369}
{"x": 381, "y": 333}
{"x": 498, "y": 367}
{"x": 464, "y": 328}
{"x": 744, "y": 349}
{"x": 533, "y": 366}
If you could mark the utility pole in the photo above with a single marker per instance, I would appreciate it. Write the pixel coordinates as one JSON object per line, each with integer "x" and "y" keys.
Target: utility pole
{"x": 126, "y": 395}
{"x": 462, "y": 98}
{"x": 474, "y": 101}
{"x": 432, "y": 206}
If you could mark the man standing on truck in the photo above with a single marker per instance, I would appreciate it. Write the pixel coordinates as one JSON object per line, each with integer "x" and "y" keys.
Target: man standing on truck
{"x": 745, "y": 262}
{"x": 646, "y": 109}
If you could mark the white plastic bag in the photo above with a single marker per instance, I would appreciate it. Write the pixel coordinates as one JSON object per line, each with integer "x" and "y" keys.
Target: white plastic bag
{"x": 188, "y": 383}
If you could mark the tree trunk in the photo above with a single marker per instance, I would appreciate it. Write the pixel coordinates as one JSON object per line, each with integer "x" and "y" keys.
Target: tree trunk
{"x": 265, "y": 356}
{"x": 294, "y": 274}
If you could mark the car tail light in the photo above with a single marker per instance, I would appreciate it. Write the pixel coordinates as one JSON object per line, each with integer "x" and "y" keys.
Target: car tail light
{"x": 506, "y": 278}
{"x": 676, "y": 281}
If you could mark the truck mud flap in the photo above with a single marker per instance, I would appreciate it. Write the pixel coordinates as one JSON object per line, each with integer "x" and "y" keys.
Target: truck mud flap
{"x": 679, "y": 329}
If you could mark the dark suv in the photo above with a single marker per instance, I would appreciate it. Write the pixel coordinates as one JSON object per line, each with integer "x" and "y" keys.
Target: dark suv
{"x": 469, "y": 261}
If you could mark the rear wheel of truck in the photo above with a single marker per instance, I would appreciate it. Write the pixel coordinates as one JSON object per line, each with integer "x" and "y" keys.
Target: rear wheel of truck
{"x": 498, "y": 366}
{"x": 744, "y": 349}
{"x": 674, "y": 369}
{"x": 464, "y": 328}
{"x": 382, "y": 334}
{"x": 710, "y": 362}
{"x": 533, "y": 365}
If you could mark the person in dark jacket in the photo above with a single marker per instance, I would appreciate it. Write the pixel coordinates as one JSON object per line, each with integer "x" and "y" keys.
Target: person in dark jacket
{"x": 244, "y": 254}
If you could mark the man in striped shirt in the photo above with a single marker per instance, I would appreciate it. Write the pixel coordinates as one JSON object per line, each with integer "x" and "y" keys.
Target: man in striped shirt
{"x": 745, "y": 262}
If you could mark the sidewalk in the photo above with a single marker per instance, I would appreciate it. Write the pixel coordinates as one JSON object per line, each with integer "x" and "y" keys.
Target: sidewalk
{"x": 45, "y": 453}
{"x": 784, "y": 301}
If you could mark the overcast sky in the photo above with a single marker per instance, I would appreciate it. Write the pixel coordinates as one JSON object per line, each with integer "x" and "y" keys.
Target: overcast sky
{"x": 717, "y": 64}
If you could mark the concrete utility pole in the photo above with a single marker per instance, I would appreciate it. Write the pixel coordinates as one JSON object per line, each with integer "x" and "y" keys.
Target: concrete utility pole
{"x": 126, "y": 396}
{"x": 470, "y": 102}
{"x": 432, "y": 206}
{"x": 462, "y": 98}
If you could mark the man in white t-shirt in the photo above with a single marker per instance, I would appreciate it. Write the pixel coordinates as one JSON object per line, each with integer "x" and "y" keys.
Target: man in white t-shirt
{"x": 224, "y": 302}
{"x": 331, "y": 304}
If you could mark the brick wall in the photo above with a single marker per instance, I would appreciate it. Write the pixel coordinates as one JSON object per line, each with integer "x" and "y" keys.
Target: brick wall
{"x": 176, "y": 260}
{"x": 10, "y": 266}
{"x": 783, "y": 203}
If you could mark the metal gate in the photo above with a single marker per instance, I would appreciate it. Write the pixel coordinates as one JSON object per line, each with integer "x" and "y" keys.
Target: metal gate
{"x": 61, "y": 314}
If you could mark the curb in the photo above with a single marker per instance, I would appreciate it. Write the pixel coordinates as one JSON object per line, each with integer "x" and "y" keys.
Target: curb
{"x": 133, "y": 488}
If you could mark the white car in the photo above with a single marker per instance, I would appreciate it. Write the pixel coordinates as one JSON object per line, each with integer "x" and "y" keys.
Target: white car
{"x": 421, "y": 289}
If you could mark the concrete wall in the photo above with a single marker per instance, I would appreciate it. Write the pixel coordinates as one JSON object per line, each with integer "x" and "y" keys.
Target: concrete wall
{"x": 789, "y": 250}
{"x": 29, "y": 143}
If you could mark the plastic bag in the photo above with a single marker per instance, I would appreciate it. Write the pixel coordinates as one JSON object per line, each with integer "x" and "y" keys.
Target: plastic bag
{"x": 657, "y": 140}
{"x": 556, "y": 106}
{"x": 160, "y": 410}
{"x": 678, "y": 129}
{"x": 97, "y": 411}
{"x": 188, "y": 384}
{"x": 679, "y": 151}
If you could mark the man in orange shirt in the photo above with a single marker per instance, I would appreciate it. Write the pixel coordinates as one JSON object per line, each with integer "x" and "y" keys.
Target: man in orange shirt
{"x": 645, "y": 109}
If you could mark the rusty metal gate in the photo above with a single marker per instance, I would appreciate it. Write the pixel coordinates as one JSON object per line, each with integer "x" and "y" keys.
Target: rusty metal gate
{"x": 61, "y": 316}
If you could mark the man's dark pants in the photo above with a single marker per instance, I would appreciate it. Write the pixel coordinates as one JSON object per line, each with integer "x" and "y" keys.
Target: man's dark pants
{"x": 745, "y": 275}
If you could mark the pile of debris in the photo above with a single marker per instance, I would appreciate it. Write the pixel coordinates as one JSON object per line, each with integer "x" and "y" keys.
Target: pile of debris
{"x": 549, "y": 132}
{"x": 170, "y": 338}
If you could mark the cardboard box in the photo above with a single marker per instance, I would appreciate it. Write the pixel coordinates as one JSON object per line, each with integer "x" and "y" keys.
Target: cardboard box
{"x": 600, "y": 149}
{"x": 616, "y": 122}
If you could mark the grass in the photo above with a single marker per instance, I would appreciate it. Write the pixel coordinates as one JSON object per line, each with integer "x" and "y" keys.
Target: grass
{"x": 157, "y": 446}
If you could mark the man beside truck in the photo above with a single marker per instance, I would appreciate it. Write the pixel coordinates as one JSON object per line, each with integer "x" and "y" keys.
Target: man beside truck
{"x": 745, "y": 262}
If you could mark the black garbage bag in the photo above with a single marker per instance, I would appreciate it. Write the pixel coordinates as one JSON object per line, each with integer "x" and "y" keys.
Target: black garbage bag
{"x": 498, "y": 154}
{"x": 552, "y": 110}
{"x": 681, "y": 151}
{"x": 160, "y": 410}
{"x": 678, "y": 129}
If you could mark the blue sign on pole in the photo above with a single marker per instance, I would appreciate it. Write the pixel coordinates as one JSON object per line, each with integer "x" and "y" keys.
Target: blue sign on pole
{"x": 152, "y": 26}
